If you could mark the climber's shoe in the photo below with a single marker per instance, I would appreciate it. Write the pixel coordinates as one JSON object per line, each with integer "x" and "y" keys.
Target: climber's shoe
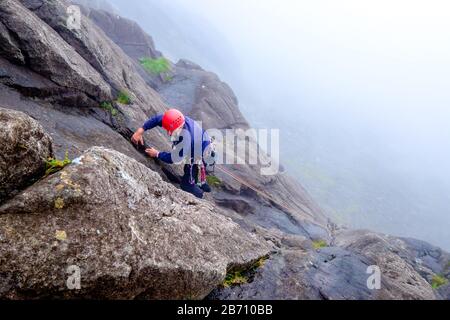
{"x": 192, "y": 188}
{"x": 205, "y": 187}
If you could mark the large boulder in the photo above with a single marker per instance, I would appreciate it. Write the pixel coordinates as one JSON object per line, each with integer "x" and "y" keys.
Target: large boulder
{"x": 130, "y": 234}
{"x": 24, "y": 150}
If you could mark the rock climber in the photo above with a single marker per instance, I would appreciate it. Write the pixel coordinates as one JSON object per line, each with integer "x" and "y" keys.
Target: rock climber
{"x": 185, "y": 134}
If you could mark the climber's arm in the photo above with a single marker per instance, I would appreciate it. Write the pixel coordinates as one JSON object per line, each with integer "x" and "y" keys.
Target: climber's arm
{"x": 163, "y": 156}
{"x": 151, "y": 123}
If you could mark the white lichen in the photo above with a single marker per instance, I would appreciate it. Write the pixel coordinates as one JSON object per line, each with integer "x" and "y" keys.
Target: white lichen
{"x": 78, "y": 161}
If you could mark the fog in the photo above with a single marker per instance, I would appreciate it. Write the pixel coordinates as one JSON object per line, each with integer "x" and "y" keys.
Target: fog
{"x": 359, "y": 89}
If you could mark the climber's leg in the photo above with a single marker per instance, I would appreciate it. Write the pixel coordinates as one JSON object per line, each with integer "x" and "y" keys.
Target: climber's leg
{"x": 193, "y": 189}
{"x": 188, "y": 183}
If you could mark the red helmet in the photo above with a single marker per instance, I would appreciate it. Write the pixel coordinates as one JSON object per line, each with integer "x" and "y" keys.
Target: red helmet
{"x": 172, "y": 120}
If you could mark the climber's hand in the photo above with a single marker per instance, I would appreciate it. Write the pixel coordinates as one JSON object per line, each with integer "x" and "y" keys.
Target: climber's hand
{"x": 137, "y": 137}
{"x": 152, "y": 152}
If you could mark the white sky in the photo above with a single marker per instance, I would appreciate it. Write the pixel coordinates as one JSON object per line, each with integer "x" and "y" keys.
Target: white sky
{"x": 386, "y": 63}
{"x": 396, "y": 45}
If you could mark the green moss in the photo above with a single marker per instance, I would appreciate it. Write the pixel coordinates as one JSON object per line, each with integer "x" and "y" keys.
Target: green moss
{"x": 438, "y": 281}
{"x": 55, "y": 165}
{"x": 259, "y": 264}
{"x": 124, "y": 97}
{"x": 109, "y": 107}
{"x": 213, "y": 181}
{"x": 168, "y": 78}
{"x": 155, "y": 66}
{"x": 238, "y": 277}
{"x": 318, "y": 244}
{"x": 234, "y": 278}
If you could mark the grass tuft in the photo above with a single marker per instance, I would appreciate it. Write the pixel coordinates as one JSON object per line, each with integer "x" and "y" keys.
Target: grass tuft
{"x": 238, "y": 277}
{"x": 234, "y": 279}
{"x": 438, "y": 281}
{"x": 213, "y": 181}
{"x": 124, "y": 97}
{"x": 109, "y": 107}
{"x": 318, "y": 244}
{"x": 155, "y": 66}
{"x": 55, "y": 165}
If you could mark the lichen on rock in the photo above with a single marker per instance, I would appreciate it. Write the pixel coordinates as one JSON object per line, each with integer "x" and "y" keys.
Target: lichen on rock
{"x": 121, "y": 236}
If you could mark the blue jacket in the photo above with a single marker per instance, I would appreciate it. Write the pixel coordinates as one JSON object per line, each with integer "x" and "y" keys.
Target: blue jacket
{"x": 193, "y": 128}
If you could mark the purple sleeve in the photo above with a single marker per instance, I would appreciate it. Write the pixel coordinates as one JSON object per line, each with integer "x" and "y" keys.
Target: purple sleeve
{"x": 165, "y": 157}
{"x": 153, "y": 122}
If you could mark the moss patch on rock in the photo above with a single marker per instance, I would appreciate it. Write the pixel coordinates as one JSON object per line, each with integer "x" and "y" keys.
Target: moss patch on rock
{"x": 438, "y": 281}
{"x": 241, "y": 276}
{"x": 124, "y": 97}
{"x": 213, "y": 181}
{"x": 54, "y": 165}
{"x": 109, "y": 107}
{"x": 319, "y": 244}
{"x": 155, "y": 66}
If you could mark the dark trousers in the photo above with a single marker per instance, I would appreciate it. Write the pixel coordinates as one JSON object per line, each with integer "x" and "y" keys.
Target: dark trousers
{"x": 190, "y": 179}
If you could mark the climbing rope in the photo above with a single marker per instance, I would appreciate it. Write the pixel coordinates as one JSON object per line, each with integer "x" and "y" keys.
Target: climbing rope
{"x": 241, "y": 181}
{"x": 260, "y": 192}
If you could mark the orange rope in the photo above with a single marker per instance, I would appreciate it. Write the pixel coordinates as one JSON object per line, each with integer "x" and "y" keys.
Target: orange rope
{"x": 262, "y": 193}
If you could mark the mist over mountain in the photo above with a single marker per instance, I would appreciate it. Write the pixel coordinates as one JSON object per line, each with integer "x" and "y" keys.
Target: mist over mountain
{"x": 361, "y": 99}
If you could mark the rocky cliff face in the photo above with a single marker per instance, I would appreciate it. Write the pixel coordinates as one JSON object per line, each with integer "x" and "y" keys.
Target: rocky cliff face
{"x": 132, "y": 234}
{"x": 204, "y": 97}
